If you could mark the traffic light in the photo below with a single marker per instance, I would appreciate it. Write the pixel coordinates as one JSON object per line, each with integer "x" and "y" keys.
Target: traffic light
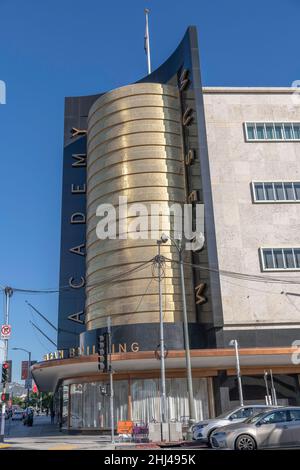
{"x": 6, "y": 372}
{"x": 4, "y": 397}
{"x": 4, "y": 375}
{"x": 103, "y": 352}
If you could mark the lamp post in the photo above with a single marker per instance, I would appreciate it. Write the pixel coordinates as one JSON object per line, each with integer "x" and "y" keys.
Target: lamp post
{"x": 235, "y": 344}
{"x": 192, "y": 410}
{"x": 8, "y": 293}
{"x": 28, "y": 370}
{"x": 161, "y": 343}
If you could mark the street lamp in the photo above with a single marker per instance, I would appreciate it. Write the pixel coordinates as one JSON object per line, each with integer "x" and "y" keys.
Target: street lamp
{"x": 235, "y": 344}
{"x": 163, "y": 398}
{"x": 28, "y": 370}
{"x": 180, "y": 248}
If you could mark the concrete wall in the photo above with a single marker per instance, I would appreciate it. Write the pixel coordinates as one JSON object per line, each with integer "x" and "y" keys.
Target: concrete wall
{"x": 242, "y": 227}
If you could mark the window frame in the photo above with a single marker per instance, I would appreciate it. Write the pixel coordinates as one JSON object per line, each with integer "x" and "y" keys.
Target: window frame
{"x": 273, "y": 124}
{"x": 284, "y": 269}
{"x": 274, "y": 201}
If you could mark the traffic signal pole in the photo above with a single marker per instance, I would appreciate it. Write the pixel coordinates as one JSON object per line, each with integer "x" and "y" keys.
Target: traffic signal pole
{"x": 105, "y": 365}
{"x": 8, "y": 293}
{"x": 111, "y": 384}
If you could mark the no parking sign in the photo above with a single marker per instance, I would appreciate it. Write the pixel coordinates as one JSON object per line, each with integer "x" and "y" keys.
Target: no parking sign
{"x": 5, "y": 331}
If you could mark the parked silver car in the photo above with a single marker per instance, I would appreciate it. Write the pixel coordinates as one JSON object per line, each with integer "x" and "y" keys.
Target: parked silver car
{"x": 276, "y": 428}
{"x": 202, "y": 430}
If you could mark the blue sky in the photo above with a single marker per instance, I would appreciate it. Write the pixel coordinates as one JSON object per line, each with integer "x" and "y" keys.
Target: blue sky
{"x": 51, "y": 49}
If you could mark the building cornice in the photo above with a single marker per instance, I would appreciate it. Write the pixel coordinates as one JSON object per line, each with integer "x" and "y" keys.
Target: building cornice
{"x": 250, "y": 90}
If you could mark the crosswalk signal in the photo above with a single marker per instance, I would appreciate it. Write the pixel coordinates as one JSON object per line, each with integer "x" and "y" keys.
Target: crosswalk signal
{"x": 4, "y": 376}
{"x": 103, "y": 347}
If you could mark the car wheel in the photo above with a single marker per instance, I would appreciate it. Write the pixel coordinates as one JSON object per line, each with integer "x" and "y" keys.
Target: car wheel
{"x": 245, "y": 442}
{"x": 209, "y": 436}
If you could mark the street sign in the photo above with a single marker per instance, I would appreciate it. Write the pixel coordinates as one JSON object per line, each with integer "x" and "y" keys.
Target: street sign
{"x": 28, "y": 383}
{"x": 5, "y": 331}
{"x": 24, "y": 369}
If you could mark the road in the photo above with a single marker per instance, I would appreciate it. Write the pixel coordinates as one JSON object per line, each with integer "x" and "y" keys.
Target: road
{"x": 45, "y": 436}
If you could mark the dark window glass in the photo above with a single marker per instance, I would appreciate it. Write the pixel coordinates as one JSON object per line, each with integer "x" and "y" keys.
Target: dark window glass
{"x": 239, "y": 414}
{"x": 289, "y": 259}
{"x": 269, "y": 191}
{"x": 250, "y": 131}
{"x": 295, "y": 415}
{"x": 247, "y": 412}
{"x": 260, "y": 131}
{"x": 259, "y": 192}
{"x": 268, "y": 259}
{"x": 296, "y": 131}
{"x": 288, "y": 131}
{"x": 297, "y": 257}
{"x": 279, "y": 193}
{"x": 289, "y": 193}
{"x": 276, "y": 417}
{"x": 278, "y": 132}
{"x": 278, "y": 257}
{"x": 297, "y": 190}
{"x": 270, "y": 131}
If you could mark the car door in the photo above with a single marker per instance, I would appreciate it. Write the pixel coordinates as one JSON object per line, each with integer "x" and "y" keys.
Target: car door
{"x": 295, "y": 426}
{"x": 274, "y": 429}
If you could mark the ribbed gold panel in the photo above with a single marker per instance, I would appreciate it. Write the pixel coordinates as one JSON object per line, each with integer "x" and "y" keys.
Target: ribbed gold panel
{"x": 134, "y": 150}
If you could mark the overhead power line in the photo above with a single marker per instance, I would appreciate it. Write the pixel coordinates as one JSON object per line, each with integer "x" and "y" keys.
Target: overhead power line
{"x": 44, "y": 334}
{"x": 243, "y": 276}
{"x": 68, "y": 287}
{"x": 49, "y": 322}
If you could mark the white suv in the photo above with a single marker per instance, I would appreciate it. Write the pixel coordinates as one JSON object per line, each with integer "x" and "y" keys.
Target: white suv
{"x": 202, "y": 430}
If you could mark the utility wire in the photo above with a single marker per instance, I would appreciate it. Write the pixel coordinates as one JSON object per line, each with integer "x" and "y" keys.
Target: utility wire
{"x": 49, "y": 323}
{"x": 68, "y": 287}
{"x": 44, "y": 334}
{"x": 237, "y": 275}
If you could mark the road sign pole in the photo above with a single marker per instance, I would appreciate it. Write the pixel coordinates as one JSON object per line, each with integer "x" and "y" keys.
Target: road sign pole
{"x": 111, "y": 383}
{"x": 8, "y": 293}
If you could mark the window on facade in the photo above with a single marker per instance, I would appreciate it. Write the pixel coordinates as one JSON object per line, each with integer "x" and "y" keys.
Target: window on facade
{"x": 277, "y": 191}
{"x": 280, "y": 258}
{"x": 272, "y": 130}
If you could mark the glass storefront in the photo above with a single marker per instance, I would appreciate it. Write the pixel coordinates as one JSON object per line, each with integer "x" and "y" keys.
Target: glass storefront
{"x": 139, "y": 399}
{"x": 89, "y": 407}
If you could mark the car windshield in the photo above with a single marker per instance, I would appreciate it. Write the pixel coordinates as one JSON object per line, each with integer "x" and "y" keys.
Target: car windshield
{"x": 255, "y": 418}
{"x": 225, "y": 414}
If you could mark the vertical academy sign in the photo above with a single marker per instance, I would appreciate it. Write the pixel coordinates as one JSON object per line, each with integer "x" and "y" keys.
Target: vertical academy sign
{"x": 72, "y": 269}
{"x": 73, "y": 223}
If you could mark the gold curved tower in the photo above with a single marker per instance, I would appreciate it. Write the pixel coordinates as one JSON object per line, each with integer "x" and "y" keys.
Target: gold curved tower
{"x": 134, "y": 151}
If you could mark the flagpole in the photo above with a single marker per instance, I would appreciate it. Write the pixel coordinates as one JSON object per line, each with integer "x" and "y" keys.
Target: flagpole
{"x": 147, "y": 41}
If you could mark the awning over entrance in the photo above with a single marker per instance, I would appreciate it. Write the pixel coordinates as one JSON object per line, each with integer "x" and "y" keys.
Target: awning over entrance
{"x": 48, "y": 374}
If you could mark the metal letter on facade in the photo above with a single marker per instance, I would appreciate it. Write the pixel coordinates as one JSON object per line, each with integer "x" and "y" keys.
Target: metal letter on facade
{"x": 77, "y": 132}
{"x": 200, "y": 299}
{"x": 187, "y": 117}
{"x": 80, "y": 159}
{"x": 77, "y": 218}
{"x": 190, "y": 157}
{"x": 76, "y": 317}
{"x": 77, "y": 249}
{"x": 184, "y": 80}
{"x": 76, "y": 286}
{"x": 193, "y": 197}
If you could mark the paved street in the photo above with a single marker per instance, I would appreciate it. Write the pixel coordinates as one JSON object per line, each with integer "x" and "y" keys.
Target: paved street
{"x": 45, "y": 436}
